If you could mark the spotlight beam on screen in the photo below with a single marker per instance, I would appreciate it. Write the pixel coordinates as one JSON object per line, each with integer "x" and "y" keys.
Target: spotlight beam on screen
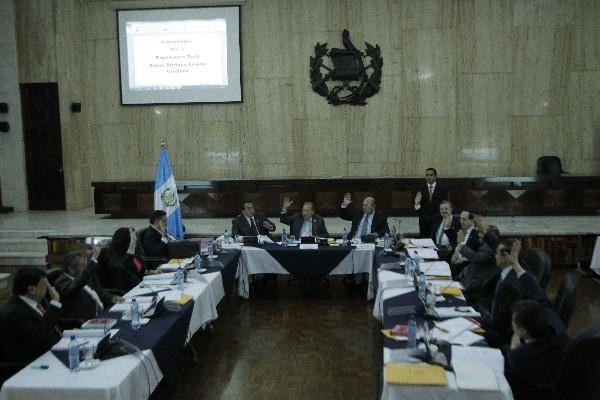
{"x": 180, "y": 55}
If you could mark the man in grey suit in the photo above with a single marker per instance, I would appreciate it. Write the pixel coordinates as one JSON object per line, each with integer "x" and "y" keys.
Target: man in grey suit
{"x": 82, "y": 296}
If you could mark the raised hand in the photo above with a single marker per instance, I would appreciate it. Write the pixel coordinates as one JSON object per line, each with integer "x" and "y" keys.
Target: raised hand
{"x": 52, "y": 292}
{"x": 347, "y": 199}
{"x": 96, "y": 252}
{"x": 418, "y": 198}
{"x": 287, "y": 202}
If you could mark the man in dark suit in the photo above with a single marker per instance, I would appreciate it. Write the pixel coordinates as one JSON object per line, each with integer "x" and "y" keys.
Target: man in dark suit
{"x": 250, "y": 223}
{"x": 366, "y": 221}
{"x": 82, "y": 296}
{"x": 29, "y": 319}
{"x": 444, "y": 228}
{"x": 466, "y": 236}
{"x": 536, "y": 351}
{"x": 155, "y": 237}
{"x": 482, "y": 264}
{"x": 306, "y": 224}
{"x": 429, "y": 198}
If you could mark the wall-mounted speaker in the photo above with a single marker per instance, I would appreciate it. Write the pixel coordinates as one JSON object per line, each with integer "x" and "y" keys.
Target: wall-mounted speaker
{"x": 75, "y": 107}
{"x": 4, "y": 126}
{"x": 3, "y": 108}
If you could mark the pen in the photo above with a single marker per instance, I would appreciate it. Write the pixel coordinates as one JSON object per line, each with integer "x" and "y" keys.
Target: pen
{"x": 43, "y": 366}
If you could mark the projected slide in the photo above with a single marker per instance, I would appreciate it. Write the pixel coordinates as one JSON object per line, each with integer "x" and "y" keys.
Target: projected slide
{"x": 180, "y": 55}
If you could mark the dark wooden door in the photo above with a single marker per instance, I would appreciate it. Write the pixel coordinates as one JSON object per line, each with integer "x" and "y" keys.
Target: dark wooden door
{"x": 43, "y": 146}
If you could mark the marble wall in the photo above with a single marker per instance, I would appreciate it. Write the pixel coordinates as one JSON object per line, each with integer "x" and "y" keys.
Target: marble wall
{"x": 472, "y": 87}
{"x": 12, "y": 156}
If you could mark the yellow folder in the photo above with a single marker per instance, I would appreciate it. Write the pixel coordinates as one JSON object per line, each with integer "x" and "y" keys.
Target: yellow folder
{"x": 452, "y": 291}
{"x": 415, "y": 374}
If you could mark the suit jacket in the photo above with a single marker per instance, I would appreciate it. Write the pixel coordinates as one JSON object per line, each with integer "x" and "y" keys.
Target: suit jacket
{"x": 379, "y": 223}
{"x": 440, "y": 193}
{"x": 436, "y": 220}
{"x": 295, "y": 223}
{"x": 482, "y": 267}
{"x": 122, "y": 273}
{"x": 240, "y": 225}
{"x": 153, "y": 245}
{"x": 26, "y": 334}
{"x": 497, "y": 315}
{"x": 77, "y": 303}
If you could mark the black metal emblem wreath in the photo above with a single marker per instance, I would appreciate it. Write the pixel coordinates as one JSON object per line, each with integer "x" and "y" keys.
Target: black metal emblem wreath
{"x": 353, "y": 84}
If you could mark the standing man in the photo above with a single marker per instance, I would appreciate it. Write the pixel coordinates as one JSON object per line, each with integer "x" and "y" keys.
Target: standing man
{"x": 429, "y": 198}
{"x": 364, "y": 222}
{"x": 306, "y": 224}
{"x": 250, "y": 223}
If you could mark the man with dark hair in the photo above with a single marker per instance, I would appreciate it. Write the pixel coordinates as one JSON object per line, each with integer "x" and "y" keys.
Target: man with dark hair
{"x": 428, "y": 200}
{"x": 367, "y": 221}
{"x": 82, "y": 296}
{"x": 251, "y": 223}
{"x": 444, "y": 228}
{"x": 30, "y": 321}
{"x": 306, "y": 224}
{"x": 466, "y": 236}
{"x": 536, "y": 350}
{"x": 154, "y": 239}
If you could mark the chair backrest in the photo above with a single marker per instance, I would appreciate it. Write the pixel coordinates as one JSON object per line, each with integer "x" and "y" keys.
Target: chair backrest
{"x": 52, "y": 275}
{"x": 564, "y": 304}
{"x": 539, "y": 264}
{"x": 140, "y": 235}
{"x": 549, "y": 165}
{"x": 580, "y": 368}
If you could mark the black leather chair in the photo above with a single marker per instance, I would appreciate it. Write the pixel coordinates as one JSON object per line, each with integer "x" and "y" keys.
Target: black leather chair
{"x": 7, "y": 368}
{"x": 564, "y": 304}
{"x": 539, "y": 264}
{"x": 578, "y": 374}
{"x": 52, "y": 275}
{"x": 148, "y": 261}
{"x": 549, "y": 166}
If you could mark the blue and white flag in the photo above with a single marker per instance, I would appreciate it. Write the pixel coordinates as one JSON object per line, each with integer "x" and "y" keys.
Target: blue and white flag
{"x": 165, "y": 195}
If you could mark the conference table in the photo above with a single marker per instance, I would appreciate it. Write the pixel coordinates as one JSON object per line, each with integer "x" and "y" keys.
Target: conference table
{"x": 304, "y": 262}
{"x": 397, "y": 300}
{"x": 131, "y": 376}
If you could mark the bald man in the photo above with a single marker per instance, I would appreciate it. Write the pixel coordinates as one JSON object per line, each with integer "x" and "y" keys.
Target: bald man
{"x": 366, "y": 221}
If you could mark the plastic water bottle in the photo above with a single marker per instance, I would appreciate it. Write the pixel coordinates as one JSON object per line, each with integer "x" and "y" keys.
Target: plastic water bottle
{"x": 408, "y": 267}
{"x": 387, "y": 242}
{"x": 284, "y": 239}
{"x": 225, "y": 237}
{"x": 513, "y": 223}
{"x": 345, "y": 237}
{"x": 394, "y": 232}
{"x": 210, "y": 248}
{"x": 422, "y": 286}
{"x": 417, "y": 265}
{"x": 197, "y": 263}
{"x": 179, "y": 277}
{"x": 412, "y": 333}
{"x": 73, "y": 355}
{"x": 135, "y": 315}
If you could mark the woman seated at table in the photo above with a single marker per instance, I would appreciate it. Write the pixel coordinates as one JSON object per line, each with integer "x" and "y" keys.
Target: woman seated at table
{"x": 123, "y": 267}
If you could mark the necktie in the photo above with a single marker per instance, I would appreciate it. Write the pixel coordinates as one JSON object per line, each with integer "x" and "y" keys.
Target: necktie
{"x": 253, "y": 227}
{"x": 498, "y": 283}
{"x": 42, "y": 310}
{"x": 430, "y": 192}
{"x": 364, "y": 227}
{"x": 440, "y": 233}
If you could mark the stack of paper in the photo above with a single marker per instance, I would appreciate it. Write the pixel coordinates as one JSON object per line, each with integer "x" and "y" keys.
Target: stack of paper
{"x": 474, "y": 376}
{"x": 436, "y": 268}
{"x": 415, "y": 374}
{"x": 429, "y": 254}
{"x": 450, "y": 312}
{"x": 419, "y": 242}
{"x": 456, "y": 331}
{"x": 485, "y": 355}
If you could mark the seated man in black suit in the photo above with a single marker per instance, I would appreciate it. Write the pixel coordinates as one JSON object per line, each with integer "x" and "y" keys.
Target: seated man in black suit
{"x": 250, "y": 223}
{"x": 155, "y": 237}
{"x": 430, "y": 197}
{"x": 535, "y": 353}
{"x": 444, "y": 227}
{"x": 466, "y": 236}
{"x": 29, "y": 319}
{"x": 366, "y": 221}
{"x": 306, "y": 224}
{"x": 511, "y": 283}
{"x": 82, "y": 296}
{"x": 482, "y": 263}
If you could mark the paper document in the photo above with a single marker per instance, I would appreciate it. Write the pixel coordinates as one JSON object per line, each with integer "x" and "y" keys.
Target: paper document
{"x": 84, "y": 337}
{"x": 449, "y": 312}
{"x": 476, "y": 354}
{"x": 415, "y": 374}
{"x": 309, "y": 246}
{"x": 428, "y": 242}
{"x": 474, "y": 376}
{"x": 457, "y": 325}
{"x": 466, "y": 338}
{"x": 429, "y": 254}
{"x": 436, "y": 268}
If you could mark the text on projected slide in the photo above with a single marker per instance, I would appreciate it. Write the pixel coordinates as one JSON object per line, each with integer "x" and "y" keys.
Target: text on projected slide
{"x": 176, "y": 54}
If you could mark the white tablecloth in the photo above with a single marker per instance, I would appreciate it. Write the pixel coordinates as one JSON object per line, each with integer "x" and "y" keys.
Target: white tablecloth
{"x": 123, "y": 378}
{"x": 255, "y": 260}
